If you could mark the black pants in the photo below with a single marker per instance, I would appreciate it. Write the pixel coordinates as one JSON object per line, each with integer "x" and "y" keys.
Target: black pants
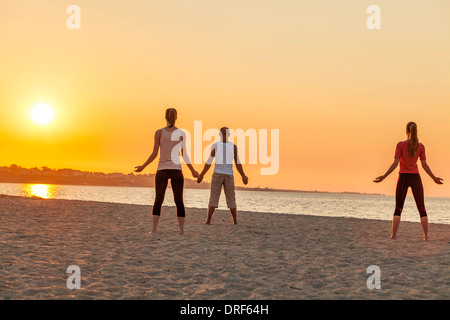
{"x": 177, "y": 181}
{"x": 406, "y": 180}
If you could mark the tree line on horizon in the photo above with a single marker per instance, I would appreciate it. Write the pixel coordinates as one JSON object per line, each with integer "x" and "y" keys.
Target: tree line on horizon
{"x": 17, "y": 174}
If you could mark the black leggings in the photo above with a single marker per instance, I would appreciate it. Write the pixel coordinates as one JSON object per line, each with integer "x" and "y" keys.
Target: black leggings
{"x": 177, "y": 181}
{"x": 406, "y": 180}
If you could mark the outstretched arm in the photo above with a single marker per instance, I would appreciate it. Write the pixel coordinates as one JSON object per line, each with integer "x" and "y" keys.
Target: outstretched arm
{"x": 239, "y": 167}
{"x": 427, "y": 169}
{"x": 154, "y": 153}
{"x": 391, "y": 168}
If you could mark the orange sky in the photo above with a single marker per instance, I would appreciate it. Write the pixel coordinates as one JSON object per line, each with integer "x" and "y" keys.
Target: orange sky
{"x": 340, "y": 94}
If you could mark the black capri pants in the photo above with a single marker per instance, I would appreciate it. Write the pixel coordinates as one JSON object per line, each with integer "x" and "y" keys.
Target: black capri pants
{"x": 177, "y": 181}
{"x": 406, "y": 180}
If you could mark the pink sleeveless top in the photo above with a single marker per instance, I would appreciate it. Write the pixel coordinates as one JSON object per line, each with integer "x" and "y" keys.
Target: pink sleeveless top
{"x": 170, "y": 147}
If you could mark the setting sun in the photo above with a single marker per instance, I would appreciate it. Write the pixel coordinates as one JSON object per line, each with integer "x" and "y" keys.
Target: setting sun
{"x": 42, "y": 114}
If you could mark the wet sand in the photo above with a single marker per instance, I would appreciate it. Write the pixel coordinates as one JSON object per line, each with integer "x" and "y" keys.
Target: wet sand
{"x": 266, "y": 256}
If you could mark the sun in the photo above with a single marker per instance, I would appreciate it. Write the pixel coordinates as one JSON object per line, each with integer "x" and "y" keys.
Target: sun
{"x": 42, "y": 114}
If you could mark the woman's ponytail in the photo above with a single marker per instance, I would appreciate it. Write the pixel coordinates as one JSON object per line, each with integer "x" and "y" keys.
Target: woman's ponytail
{"x": 413, "y": 144}
{"x": 171, "y": 116}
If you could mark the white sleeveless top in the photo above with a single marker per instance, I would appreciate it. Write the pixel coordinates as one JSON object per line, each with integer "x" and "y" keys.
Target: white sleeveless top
{"x": 170, "y": 147}
{"x": 224, "y": 157}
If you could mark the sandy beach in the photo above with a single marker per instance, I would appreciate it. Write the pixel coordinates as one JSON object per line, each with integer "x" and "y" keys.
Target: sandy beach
{"x": 266, "y": 256}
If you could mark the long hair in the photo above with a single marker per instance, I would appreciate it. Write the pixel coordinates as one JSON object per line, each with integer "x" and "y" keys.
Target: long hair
{"x": 171, "y": 116}
{"x": 413, "y": 139}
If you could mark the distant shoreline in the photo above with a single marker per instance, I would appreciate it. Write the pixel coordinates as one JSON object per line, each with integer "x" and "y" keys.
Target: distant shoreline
{"x": 17, "y": 174}
{"x": 189, "y": 184}
{"x": 307, "y": 191}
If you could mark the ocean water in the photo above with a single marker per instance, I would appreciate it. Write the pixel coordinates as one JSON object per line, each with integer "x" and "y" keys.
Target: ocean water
{"x": 363, "y": 206}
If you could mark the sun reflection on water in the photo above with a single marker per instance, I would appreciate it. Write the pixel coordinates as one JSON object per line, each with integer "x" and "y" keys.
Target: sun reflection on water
{"x": 43, "y": 191}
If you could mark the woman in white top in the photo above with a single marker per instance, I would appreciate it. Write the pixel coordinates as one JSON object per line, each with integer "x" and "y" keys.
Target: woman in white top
{"x": 170, "y": 141}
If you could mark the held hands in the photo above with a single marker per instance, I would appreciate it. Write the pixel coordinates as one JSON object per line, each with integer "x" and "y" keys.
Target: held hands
{"x": 379, "y": 179}
{"x": 194, "y": 173}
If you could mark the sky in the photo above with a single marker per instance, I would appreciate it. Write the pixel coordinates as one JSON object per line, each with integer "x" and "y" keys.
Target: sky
{"x": 339, "y": 93}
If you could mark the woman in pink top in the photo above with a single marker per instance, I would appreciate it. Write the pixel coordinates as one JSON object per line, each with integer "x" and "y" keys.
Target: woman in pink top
{"x": 170, "y": 141}
{"x": 407, "y": 153}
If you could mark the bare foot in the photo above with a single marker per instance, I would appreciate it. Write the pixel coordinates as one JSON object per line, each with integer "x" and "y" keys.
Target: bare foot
{"x": 181, "y": 232}
{"x": 393, "y": 238}
{"x": 426, "y": 238}
{"x": 207, "y": 222}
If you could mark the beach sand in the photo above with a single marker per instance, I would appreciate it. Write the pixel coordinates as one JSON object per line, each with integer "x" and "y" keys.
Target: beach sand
{"x": 266, "y": 256}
